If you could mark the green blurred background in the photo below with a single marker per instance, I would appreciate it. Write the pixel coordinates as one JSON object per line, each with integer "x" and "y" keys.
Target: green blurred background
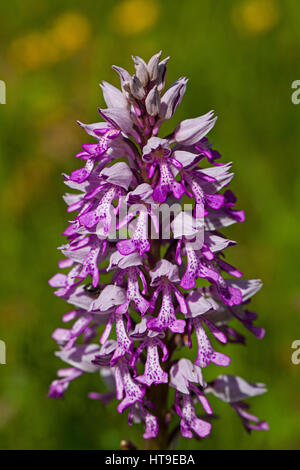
{"x": 241, "y": 57}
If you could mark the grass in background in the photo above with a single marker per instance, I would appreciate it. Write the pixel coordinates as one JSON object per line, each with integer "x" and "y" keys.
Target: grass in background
{"x": 241, "y": 58}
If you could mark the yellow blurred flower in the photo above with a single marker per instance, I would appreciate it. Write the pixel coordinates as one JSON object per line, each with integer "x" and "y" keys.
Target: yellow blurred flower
{"x": 33, "y": 51}
{"x": 255, "y": 16}
{"x": 69, "y": 33}
{"x": 131, "y": 17}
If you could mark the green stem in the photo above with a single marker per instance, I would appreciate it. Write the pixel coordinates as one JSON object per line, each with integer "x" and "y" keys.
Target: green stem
{"x": 158, "y": 395}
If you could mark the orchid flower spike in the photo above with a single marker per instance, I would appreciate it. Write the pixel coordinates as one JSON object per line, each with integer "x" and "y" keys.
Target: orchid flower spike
{"x": 147, "y": 276}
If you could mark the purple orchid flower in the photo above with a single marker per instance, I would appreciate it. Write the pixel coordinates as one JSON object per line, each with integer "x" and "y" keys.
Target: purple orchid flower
{"x": 139, "y": 412}
{"x": 189, "y": 422}
{"x": 163, "y": 277}
{"x": 93, "y": 152}
{"x": 153, "y": 373}
{"x": 124, "y": 344}
{"x": 133, "y": 292}
{"x": 139, "y": 241}
{"x": 79, "y": 358}
{"x": 158, "y": 153}
{"x": 146, "y": 285}
{"x": 125, "y": 384}
{"x": 233, "y": 390}
{"x": 89, "y": 252}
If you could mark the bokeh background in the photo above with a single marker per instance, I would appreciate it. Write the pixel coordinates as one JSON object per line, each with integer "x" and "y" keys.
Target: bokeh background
{"x": 241, "y": 57}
